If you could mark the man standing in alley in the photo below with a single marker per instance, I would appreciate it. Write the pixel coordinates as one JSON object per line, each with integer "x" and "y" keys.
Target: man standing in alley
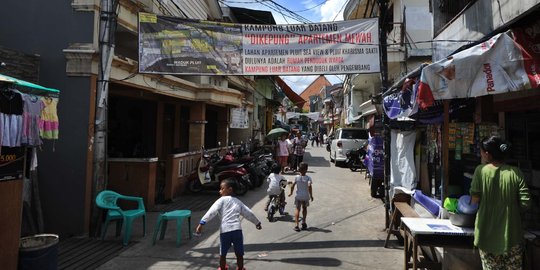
{"x": 299, "y": 148}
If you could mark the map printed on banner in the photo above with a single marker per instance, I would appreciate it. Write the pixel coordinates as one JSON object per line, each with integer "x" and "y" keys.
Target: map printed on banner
{"x": 170, "y": 45}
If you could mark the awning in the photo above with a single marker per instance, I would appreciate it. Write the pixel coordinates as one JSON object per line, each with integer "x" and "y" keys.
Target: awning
{"x": 294, "y": 97}
{"x": 505, "y": 63}
{"x": 8, "y": 79}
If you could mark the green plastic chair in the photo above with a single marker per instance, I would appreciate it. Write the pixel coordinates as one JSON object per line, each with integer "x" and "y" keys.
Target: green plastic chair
{"x": 107, "y": 199}
{"x": 179, "y": 216}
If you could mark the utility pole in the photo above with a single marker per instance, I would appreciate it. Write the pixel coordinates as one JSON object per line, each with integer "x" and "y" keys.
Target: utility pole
{"x": 107, "y": 29}
{"x": 383, "y": 25}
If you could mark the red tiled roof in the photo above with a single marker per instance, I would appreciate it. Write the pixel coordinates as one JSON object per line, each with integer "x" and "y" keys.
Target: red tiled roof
{"x": 314, "y": 89}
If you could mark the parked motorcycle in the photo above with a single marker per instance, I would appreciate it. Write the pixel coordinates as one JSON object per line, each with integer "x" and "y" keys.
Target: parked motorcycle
{"x": 211, "y": 172}
{"x": 277, "y": 203}
{"x": 249, "y": 163}
{"x": 355, "y": 159}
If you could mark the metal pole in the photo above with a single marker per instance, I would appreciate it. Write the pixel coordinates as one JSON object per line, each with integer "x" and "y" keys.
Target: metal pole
{"x": 106, "y": 48}
{"x": 383, "y": 7}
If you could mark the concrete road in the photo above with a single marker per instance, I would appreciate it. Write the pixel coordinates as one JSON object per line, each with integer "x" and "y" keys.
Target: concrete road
{"x": 346, "y": 231}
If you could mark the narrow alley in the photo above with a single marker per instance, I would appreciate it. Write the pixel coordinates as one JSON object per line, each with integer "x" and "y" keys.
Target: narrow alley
{"x": 346, "y": 231}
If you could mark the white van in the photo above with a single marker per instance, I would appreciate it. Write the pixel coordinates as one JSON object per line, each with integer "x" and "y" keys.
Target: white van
{"x": 346, "y": 139}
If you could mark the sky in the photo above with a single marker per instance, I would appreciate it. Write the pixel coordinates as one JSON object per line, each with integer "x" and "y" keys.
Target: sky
{"x": 311, "y": 10}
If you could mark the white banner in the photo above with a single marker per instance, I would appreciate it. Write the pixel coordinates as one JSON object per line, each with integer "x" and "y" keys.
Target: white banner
{"x": 183, "y": 46}
{"x": 324, "y": 48}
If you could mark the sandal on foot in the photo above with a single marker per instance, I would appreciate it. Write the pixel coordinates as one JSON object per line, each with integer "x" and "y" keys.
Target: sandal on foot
{"x": 296, "y": 228}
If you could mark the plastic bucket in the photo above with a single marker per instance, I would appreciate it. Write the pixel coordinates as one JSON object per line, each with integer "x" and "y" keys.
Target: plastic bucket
{"x": 38, "y": 251}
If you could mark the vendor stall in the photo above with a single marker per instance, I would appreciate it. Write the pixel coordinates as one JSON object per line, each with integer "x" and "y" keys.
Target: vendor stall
{"x": 487, "y": 89}
{"x": 27, "y": 116}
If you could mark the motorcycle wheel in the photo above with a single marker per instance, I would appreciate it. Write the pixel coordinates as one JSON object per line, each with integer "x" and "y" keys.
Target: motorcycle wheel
{"x": 241, "y": 187}
{"x": 194, "y": 186}
{"x": 271, "y": 212}
{"x": 282, "y": 210}
{"x": 254, "y": 180}
{"x": 351, "y": 166}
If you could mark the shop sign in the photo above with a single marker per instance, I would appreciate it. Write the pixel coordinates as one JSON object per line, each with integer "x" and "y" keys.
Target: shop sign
{"x": 11, "y": 163}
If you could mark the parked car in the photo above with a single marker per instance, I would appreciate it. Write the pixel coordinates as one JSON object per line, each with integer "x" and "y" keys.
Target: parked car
{"x": 344, "y": 140}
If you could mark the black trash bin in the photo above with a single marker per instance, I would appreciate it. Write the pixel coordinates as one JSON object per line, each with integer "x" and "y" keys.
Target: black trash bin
{"x": 39, "y": 251}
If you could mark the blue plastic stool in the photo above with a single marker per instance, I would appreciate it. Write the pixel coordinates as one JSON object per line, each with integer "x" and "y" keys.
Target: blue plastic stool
{"x": 179, "y": 216}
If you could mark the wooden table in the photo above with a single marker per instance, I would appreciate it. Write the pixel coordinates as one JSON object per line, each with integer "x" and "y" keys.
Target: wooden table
{"x": 432, "y": 233}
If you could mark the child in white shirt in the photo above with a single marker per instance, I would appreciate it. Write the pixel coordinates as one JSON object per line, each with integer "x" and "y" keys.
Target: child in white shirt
{"x": 303, "y": 194}
{"x": 230, "y": 209}
{"x": 275, "y": 186}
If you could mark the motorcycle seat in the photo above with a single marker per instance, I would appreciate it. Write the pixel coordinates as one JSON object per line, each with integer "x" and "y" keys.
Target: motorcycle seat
{"x": 227, "y": 167}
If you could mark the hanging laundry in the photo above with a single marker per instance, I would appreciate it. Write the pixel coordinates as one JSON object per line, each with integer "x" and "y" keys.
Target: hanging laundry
{"x": 48, "y": 127}
{"x": 11, "y": 110}
{"x": 33, "y": 105}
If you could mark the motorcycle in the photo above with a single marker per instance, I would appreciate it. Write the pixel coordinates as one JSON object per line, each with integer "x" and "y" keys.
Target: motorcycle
{"x": 277, "y": 202}
{"x": 210, "y": 173}
{"x": 355, "y": 159}
{"x": 250, "y": 163}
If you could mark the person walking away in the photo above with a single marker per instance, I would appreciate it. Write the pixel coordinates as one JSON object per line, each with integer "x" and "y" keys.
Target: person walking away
{"x": 291, "y": 159}
{"x": 316, "y": 139}
{"x": 502, "y": 195}
{"x": 304, "y": 193}
{"x": 274, "y": 187}
{"x": 312, "y": 138}
{"x": 282, "y": 151}
{"x": 299, "y": 145}
{"x": 230, "y": 209}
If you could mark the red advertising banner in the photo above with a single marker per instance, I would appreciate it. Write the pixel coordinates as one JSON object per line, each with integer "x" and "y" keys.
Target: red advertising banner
{"x": 181, "y": 46}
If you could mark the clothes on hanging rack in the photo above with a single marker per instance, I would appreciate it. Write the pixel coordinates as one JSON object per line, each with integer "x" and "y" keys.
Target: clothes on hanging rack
{"x": 49, "y": 119}
{"x": 11, "y": 110}
{"x": 25, "y": 118}
{"x": 33, "y": 105}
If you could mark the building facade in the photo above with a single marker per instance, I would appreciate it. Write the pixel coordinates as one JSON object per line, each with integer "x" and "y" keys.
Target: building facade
{"x": 151, "y": 117}
{"x": 409, "y": 34}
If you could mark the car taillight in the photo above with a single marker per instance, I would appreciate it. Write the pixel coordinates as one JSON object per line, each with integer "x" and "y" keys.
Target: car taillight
{"x": 339, "y": 144}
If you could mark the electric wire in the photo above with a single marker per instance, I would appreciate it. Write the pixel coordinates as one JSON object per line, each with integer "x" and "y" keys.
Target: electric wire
{"x": 340, "y": 10}
{"x": 290, "y": 15}
{"x": 247, "y": 15}
{"x": 310, "y": 8}
{"x": 389, "y": 44}
{"x": 280, "y": 12}
{"x": 303, "y": 19}
{"x": 285, "y": 12}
